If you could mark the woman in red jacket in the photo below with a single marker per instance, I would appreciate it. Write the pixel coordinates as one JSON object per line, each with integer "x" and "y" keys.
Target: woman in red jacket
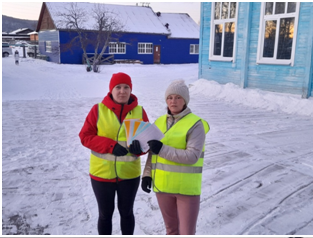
{"x": 114, "y": 167}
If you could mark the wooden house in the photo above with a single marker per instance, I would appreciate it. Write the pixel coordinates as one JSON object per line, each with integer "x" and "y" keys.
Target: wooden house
{"x": 33, "y": 36}
{"x": 148, "y": 37}
{"x": 264, "y": 45}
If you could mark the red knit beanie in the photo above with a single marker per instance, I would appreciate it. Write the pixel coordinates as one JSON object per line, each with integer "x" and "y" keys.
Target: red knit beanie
{"x": 120, "y": 78}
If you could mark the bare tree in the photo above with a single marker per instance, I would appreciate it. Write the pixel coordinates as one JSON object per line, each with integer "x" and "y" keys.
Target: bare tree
{"x": 73, "y": 19}
{"x": 105, "y": 25}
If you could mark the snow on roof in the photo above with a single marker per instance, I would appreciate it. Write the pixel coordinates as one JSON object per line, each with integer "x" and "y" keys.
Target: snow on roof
{"x": 18, "y": 30}
{"x": 180, "y": 25}
{"x": 135, "y": 19}
{"x": 33, "y": 33}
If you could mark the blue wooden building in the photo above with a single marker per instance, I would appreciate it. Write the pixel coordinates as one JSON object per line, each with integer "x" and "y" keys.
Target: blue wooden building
{"x": 265, "y": 45}
{"x": 149, "y": 37}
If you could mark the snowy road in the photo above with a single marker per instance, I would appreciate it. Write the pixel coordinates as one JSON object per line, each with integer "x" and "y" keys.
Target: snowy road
{"x": 258, "y": 173}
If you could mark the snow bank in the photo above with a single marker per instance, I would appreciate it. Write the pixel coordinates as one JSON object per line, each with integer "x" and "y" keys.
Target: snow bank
{"x": 289, "y": 103}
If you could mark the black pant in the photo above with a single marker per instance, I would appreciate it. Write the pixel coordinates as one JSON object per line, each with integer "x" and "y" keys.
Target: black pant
{"x": 105, "y": 194}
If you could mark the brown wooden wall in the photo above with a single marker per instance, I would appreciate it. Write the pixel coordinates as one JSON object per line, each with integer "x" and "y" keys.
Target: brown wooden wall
{"x": 34, "y": 37}
{"x": 46, "y": 22}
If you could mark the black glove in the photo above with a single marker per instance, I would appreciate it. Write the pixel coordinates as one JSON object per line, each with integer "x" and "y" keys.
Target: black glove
{"x": 119, "y": 150}
{"x": 146, "y": 184}
{"x": 155, "y": 146}
{"x": 135, "y": 148}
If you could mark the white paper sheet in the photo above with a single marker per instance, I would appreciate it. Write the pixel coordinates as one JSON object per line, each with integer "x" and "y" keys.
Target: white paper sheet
{"x": 151, "y": 132}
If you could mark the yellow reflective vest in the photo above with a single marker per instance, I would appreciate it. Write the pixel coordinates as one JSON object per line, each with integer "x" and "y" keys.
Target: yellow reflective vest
{"x": 172, "y": 177}
{"x": 109, "y": 166}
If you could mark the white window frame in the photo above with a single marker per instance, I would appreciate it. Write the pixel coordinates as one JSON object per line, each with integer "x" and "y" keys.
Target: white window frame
{"x": 192, "y": 49}
{"x": 145, "y": 48}
{"x": 213, "y": 57}
{"x": 117, "y": 45}
{"x": 263, "y": 19}
{"x": 48, "y": 46}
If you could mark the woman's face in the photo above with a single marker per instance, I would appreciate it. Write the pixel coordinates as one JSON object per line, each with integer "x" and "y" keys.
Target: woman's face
{"x": 121, "y": 93}
{"x": 175, "y": 103}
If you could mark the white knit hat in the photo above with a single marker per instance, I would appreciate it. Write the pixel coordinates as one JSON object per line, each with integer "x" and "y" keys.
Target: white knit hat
{"x": 180, "y": 88}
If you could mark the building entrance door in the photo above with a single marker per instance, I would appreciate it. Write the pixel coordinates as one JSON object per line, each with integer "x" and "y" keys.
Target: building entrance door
{"x": 156, "y": 54}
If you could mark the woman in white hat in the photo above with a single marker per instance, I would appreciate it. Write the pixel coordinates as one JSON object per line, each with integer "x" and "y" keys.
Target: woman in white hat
{"x": 174, "y": 164}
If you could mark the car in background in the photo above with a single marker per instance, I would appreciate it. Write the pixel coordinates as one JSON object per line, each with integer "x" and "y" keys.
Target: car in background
{"x": 32, "y": 50}
{"x": 22, "y": 43}
{"x": 6, "y": 49}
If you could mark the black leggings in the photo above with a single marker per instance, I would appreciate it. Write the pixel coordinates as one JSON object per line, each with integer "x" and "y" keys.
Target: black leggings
{"x": 105, "y": 194}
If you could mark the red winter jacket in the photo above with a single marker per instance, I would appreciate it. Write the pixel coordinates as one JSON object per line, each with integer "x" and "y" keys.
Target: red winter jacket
{"x": 88, "y": 134}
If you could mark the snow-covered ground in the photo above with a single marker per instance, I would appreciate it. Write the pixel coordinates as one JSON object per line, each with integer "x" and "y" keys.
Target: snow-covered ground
{"x": 258, "y": 172}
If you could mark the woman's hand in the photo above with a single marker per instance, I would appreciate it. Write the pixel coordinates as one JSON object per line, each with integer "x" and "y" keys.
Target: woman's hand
{"x": 135, "y": 148}
{"x": 146, "y": 184}
{"x": 155, "y": 146}
{"x": 119, "y": 150}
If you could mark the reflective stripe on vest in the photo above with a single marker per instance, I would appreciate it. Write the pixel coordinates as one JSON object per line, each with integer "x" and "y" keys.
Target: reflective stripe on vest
{"x": 177, "y": 169}
{"x": 109, "y": 166}
{"x": 172, "y": 177}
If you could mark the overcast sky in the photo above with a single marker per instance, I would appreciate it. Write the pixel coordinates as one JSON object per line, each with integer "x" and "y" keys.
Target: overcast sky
{"x": 31, "y": 10}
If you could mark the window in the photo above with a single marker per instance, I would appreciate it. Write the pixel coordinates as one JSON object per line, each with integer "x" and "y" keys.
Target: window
{"x": 194, "y": 49}
{"x": 277, "y": 33}
{"x": 145, "y": 48}
{"x": 117, "y": 48}
{"x": 223, "y": 31}
{"x": 48, "y": 46}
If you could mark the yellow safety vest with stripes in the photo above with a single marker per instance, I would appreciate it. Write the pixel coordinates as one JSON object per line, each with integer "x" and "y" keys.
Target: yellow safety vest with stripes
{"x": 172, "y": 177}
{"x": 109, "y": 166}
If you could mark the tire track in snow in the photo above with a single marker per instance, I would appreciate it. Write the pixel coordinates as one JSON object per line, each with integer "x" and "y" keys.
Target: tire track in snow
{"x": 294, "y": 232}
{"x": 235, "y": 183}
{"x": 270, "y": 213}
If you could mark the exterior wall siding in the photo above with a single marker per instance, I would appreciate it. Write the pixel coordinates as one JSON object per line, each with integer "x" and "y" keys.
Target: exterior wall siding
{"x": 176, "y": 51}
{"x": 311, "y": 77}
{"x": 310, "y": 64}
{"x": 46, "y": 22}
{"x": 33, "y": 37}
{"x": 204, "y": 42}
{"x": 244, "y": 71}
{"x": 173, "y": 51}
{"x": 222, "y": 72}
{"x": 52, "y": 36}
{"x": 278, "y": 78}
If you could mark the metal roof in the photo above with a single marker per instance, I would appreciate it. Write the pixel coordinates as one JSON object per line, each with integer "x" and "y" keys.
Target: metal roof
{"x": 134, "y": 19}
